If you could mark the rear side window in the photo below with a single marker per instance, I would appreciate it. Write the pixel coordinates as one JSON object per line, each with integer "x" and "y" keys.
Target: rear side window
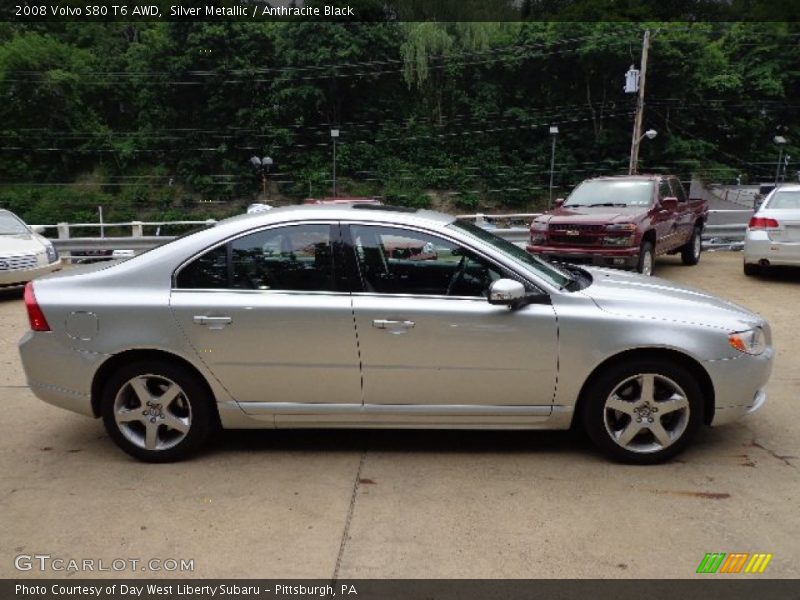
{"x": 664, "y": 190}
{"x": 208, "y": 271}
{"x": 678, "y": 189}
{"x": 291, "y": 258}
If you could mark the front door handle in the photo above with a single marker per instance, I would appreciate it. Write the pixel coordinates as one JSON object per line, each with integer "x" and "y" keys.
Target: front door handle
{"x": 212, "y": 322}
{"x": 396, "y": 326}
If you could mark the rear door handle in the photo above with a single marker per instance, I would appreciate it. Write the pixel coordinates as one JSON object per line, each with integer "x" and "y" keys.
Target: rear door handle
{"x": 394, "y": 325}
{"x": 212, "y": 322}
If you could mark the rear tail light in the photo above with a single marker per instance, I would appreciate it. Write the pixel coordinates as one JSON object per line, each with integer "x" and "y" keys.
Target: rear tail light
{"x": 35, "y": 314}
{"x": 762, "y": 223}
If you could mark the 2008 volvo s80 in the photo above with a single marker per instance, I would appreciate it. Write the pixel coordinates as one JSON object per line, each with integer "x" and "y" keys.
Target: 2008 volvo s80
{"x": 372, "y": 316}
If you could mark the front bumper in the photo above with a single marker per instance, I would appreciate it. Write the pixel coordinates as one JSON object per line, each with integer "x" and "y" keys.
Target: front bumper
{"x": 625, "y": 258}
{"x": 739, "y": 385}
{"x": 758, "y": 247}
{"x": 18, "y": 277}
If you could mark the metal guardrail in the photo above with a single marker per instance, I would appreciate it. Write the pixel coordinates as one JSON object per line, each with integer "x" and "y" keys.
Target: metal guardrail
{"x": 507, "y": 226}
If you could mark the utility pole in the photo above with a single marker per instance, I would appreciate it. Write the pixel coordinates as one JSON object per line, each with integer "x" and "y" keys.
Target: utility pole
{"x": 637, "y": 122}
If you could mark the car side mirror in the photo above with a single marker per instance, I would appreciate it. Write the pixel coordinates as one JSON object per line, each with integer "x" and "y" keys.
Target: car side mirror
{"x": 558, "y": 202}
{"x": 38, "y": 229}
{"x": 669, "y": 203}
{"x": 507, "y": 292}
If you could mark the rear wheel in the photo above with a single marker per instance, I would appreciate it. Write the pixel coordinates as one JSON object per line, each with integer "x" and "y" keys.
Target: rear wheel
{"x": 690, "y": 252}
{"x": 751, "y": 269}
{"x": 643, "y": 412}
{"x": 157, "y": 412}
{"x": 646, "y": 259}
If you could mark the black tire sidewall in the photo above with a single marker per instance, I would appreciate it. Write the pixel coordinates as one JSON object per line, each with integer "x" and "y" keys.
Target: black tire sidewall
{"x": 197, "y": 395}
{"x": 645, "y": 247}
{"x": 604, "y": 384}
{"x": 687, "y": 252}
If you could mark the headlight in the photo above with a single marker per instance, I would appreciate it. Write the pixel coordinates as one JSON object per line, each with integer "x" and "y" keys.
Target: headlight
{"x": 52, "y": 253}
{"x": 621, "y": 227}
{"x": 538, "y": 226}
{"x": 617, "y": 240}
{"x": 752, "y": 341}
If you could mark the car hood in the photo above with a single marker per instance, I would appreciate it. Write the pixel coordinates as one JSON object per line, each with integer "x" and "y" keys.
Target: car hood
{"x": 585, "y": 214}
{"x": 630, "y": 294}
{"x": 21, "y": 242}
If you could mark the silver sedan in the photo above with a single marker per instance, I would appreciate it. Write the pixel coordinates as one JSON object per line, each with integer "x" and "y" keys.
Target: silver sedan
{"x": 773, "y": 234}
{"x": 373, "y": 316}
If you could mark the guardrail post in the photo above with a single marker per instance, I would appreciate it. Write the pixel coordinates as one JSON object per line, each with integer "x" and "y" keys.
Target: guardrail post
{"x": 136, "y": 228}
{"x": 63, "y": 231}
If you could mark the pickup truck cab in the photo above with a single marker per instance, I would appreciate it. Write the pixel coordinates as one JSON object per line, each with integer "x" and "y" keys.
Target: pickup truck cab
{"x": 623, "y": 221}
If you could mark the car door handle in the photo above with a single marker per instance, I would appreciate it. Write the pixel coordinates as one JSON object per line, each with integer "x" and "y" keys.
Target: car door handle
{"x": 384, "y": 324}
{"x": 212, "y": 322}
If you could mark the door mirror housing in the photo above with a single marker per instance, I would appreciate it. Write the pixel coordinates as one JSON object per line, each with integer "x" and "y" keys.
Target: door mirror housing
{"x": 507, "y": 292}
{"x": 38, "y": 229}
{"x": 669, "y": 203}
{"x": 558, "y": 202}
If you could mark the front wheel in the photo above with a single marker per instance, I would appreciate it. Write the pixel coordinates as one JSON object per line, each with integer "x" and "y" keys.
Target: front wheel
{"x": 646, "y": 259}
{"x": 751, "y": 269}
{"x": 643, "y": 412}
{"x": 156, "y": 412}
{"x": 690, "y": 252}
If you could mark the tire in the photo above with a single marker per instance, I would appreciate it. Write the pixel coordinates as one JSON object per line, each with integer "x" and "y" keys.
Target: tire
{"x": 169, "y": 431}
{"x": 643, "y": 430}
{"x": 646, "y": 260}
{"x": 751, "y": 269}
{"x": 690, "y": 252}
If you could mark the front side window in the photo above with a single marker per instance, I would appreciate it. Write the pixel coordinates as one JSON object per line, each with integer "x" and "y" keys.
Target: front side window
{"x": 291, "y": 258}
{"x": 678, "y": 190}
{"x": 399, "y": 261}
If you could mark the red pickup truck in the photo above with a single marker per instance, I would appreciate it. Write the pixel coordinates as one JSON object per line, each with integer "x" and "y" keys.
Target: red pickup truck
{"x": 624, "y": 221}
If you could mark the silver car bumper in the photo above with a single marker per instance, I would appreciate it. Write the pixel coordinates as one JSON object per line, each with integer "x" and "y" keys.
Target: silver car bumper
{"x": 758, "y": 247}
{"x": 53, "y": 370}
{"x": 739, "y": 385}
{"x": 15, "y": 277}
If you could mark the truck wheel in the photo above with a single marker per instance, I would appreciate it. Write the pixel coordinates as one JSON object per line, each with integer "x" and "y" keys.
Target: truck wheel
{"x": 690, "y": 252}
{"x": 646, "y": 259}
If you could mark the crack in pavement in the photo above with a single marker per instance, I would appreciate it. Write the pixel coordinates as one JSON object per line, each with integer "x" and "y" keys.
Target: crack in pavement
{"x": 350, "y": 510}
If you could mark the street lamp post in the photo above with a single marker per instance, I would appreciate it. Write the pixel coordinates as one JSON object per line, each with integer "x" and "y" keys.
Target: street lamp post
{"x": 262, "y": 165}
{"x": 554, "y": 133}
{"x": 334, "y": 135}
{"x": 781, "y": 142}
{"x": 634, "y": 166}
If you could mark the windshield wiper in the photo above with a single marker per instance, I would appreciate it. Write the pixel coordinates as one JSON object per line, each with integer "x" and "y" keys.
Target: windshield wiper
{"x": 607, "y": 204}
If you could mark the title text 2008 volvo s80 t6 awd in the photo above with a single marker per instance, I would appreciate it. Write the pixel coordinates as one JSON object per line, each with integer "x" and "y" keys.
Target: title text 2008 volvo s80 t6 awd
{"x": 371, "y": 316}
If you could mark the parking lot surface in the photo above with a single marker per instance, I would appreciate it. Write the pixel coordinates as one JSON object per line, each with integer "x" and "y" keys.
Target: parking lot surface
{"x": 364, "y": 504}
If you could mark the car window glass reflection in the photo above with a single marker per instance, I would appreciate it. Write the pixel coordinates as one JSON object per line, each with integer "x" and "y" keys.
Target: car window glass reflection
{"x": 286, "y": 258}
{"x": 397, "y": 261}
{"x": 208, "y": 271}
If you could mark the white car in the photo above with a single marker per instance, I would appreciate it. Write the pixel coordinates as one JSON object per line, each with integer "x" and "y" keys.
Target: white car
{"x": 24, "y": 254}
{"x": 773, "y": 234}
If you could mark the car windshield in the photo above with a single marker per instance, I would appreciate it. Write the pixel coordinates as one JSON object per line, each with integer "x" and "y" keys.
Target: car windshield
{"x": 785, "y": 200}
{"x": 531, "y": 263}
{"x": 609, "y": 192}
{"x": 11, "y": 225}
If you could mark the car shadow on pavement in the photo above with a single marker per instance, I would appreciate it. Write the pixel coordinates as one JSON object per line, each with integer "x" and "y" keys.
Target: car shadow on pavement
{"x": 782, "y": 274}
{"x": 11, "y": 294}
{"x": 402, "y": 441}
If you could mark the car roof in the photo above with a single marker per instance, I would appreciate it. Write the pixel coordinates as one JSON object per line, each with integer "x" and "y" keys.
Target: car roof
{"x": 346, "y": 212}
{"x": 650, "y": 177}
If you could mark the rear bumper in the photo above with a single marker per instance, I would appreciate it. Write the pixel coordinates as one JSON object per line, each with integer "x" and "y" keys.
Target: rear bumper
{"x": 758, "y": 247}
{"x": 59, "y": 375}
{"x": 626, "y": 258}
